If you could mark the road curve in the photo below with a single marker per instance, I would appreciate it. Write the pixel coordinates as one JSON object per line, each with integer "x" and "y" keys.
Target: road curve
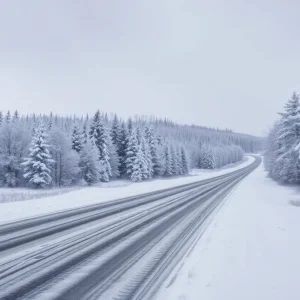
{"x": 121, "y": 250}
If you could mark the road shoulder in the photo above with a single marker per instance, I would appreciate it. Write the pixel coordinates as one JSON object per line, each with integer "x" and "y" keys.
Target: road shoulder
{"x": 249, "y": 251}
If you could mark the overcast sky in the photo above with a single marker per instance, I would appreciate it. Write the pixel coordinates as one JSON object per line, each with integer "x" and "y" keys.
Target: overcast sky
{"x": 216, "y": 63}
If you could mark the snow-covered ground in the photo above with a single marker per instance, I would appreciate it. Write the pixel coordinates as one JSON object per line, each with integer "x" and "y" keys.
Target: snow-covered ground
{"x": 23, "y": 209}
{"x": 250, "y": 250}
{"x": 22, "y": 194}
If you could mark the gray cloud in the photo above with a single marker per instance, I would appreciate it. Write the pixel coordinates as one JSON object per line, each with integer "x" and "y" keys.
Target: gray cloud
{"x": 216, "y": 63}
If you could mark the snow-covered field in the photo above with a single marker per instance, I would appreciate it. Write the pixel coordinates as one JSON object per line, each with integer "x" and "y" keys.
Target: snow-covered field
{"x": 22, "y": 194}
{"x": 22, "y": 209}
{"x": 249, "y": 251}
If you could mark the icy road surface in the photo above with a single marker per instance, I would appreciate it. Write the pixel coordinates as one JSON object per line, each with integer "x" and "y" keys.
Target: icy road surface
{"x": 122, "y": 249}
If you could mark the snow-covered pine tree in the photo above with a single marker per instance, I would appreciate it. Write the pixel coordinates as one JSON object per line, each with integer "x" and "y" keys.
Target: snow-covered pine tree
{"x": 184, "y": 161}
{"x": 8, "y": 117}
{"x": 89, "y": 163}
{"x": 66, "y": 126}
{"x": 122, "y": 150}
{"x": 56, "y": 121}
{"x": 174, "y": 164}
{"x": 288, "y": 139}
{"x": 138, "y": 135}
{"x": 148, "y": 167}
{"x": 1, "y": 118}
{"x": 77, "y": 139}
{"x": 14, "y": 141}
{"x": 113, "y": 159}
{"x": 139, "y": 168}
{"x": 38, "y": 165}
{"x": 16, "y": 116}
{"x": 94, "y": 127}
{"x": 159, "y": 140}
{"x": 65, "y": 169}
{"x": 206, "y": 159}
{"x": 104, "y": 158}
{"x": 105, "y": 119}
{"x": 115, "y": 132}
{"x": 115, "y": 147}
{"x": 131, "y": 153}
{"x": 99, "y": 138}
{"x": 129, "y": 126}
{"x": 145, "y": 164}
{"x": 84, "y": 133}
{"x": 168, "y": 162}
{"x": 50, "y": 122}
{"x": 161, "y": 160}
{"x": 179, "y": 161}
{"x": 153, "y": 145}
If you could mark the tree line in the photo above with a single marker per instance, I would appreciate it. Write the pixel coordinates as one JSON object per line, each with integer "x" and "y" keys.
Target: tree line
{"x": 51, "y": 150}
{"x": 283, "y": 144}
{"x": 55, "y": 151}
{"x": 217, "y": 147}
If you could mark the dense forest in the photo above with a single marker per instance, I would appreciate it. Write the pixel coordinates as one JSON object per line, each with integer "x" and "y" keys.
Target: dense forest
{"x": 52, "y": 150}
{"x": 283, "y": 144}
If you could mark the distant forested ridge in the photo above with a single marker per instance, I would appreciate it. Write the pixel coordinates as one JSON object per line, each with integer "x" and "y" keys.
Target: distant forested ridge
{"x": 283, "y": 144}
{"x": 52, "y": 150}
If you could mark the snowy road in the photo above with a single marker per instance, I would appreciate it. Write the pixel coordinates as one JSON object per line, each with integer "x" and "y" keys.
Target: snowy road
{"x": 122, "y": 249}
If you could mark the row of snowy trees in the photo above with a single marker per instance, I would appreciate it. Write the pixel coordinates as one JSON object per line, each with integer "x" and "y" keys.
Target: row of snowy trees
{"x": 283, "y": 144}
{"x": 207, "y": 147}
{"x": 194, "y": 137}
{"x": 211, "y": 157}
{"x": 49, "y": 150}
{"x": 60, "y": 151}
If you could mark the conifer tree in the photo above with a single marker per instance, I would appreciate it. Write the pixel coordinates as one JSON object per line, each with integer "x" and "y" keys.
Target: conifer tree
{"x": 288, "y": 163}
{"x": 130, "y": 126}
{"x": 50, "y": 122}
{"x": 77, "y": 139}
{"x": 148, "y": 167}
{"x": 8, "y": 117}
{"x": 115, "y": 132}
{"x": 94, "y": 128}
{"x": 113, "y": 160}
{"x": 122, "y": 150}
{"x": 153, "y": 146}
{"x": 16, "y": 116}
{"x": 37, "y": 166}
{"x": 206, "y": 160}
{"x": 179, "y": 161}
{"x": 65, "y": 169}
{"x": 14, "y": 144}
{"x": 131, "y": 153}
{"x": 138, "y": 135}
{"x": 184, "y": 161}
{"x": 139, "y": 170}
{"x": 56, "y": 121}
{"x": 84, "y": 133}
{"x": 174, "y": 164}
{"x": 89, "y": 163}
{"x": 168, "y": 162}
{"x": 99, "y": 138}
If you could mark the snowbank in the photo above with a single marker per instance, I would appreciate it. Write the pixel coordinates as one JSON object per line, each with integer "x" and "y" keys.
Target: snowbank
{"x": 22, "y": 194}
{"x": 249, "y": 251}
{"x": 23, "y": 209}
